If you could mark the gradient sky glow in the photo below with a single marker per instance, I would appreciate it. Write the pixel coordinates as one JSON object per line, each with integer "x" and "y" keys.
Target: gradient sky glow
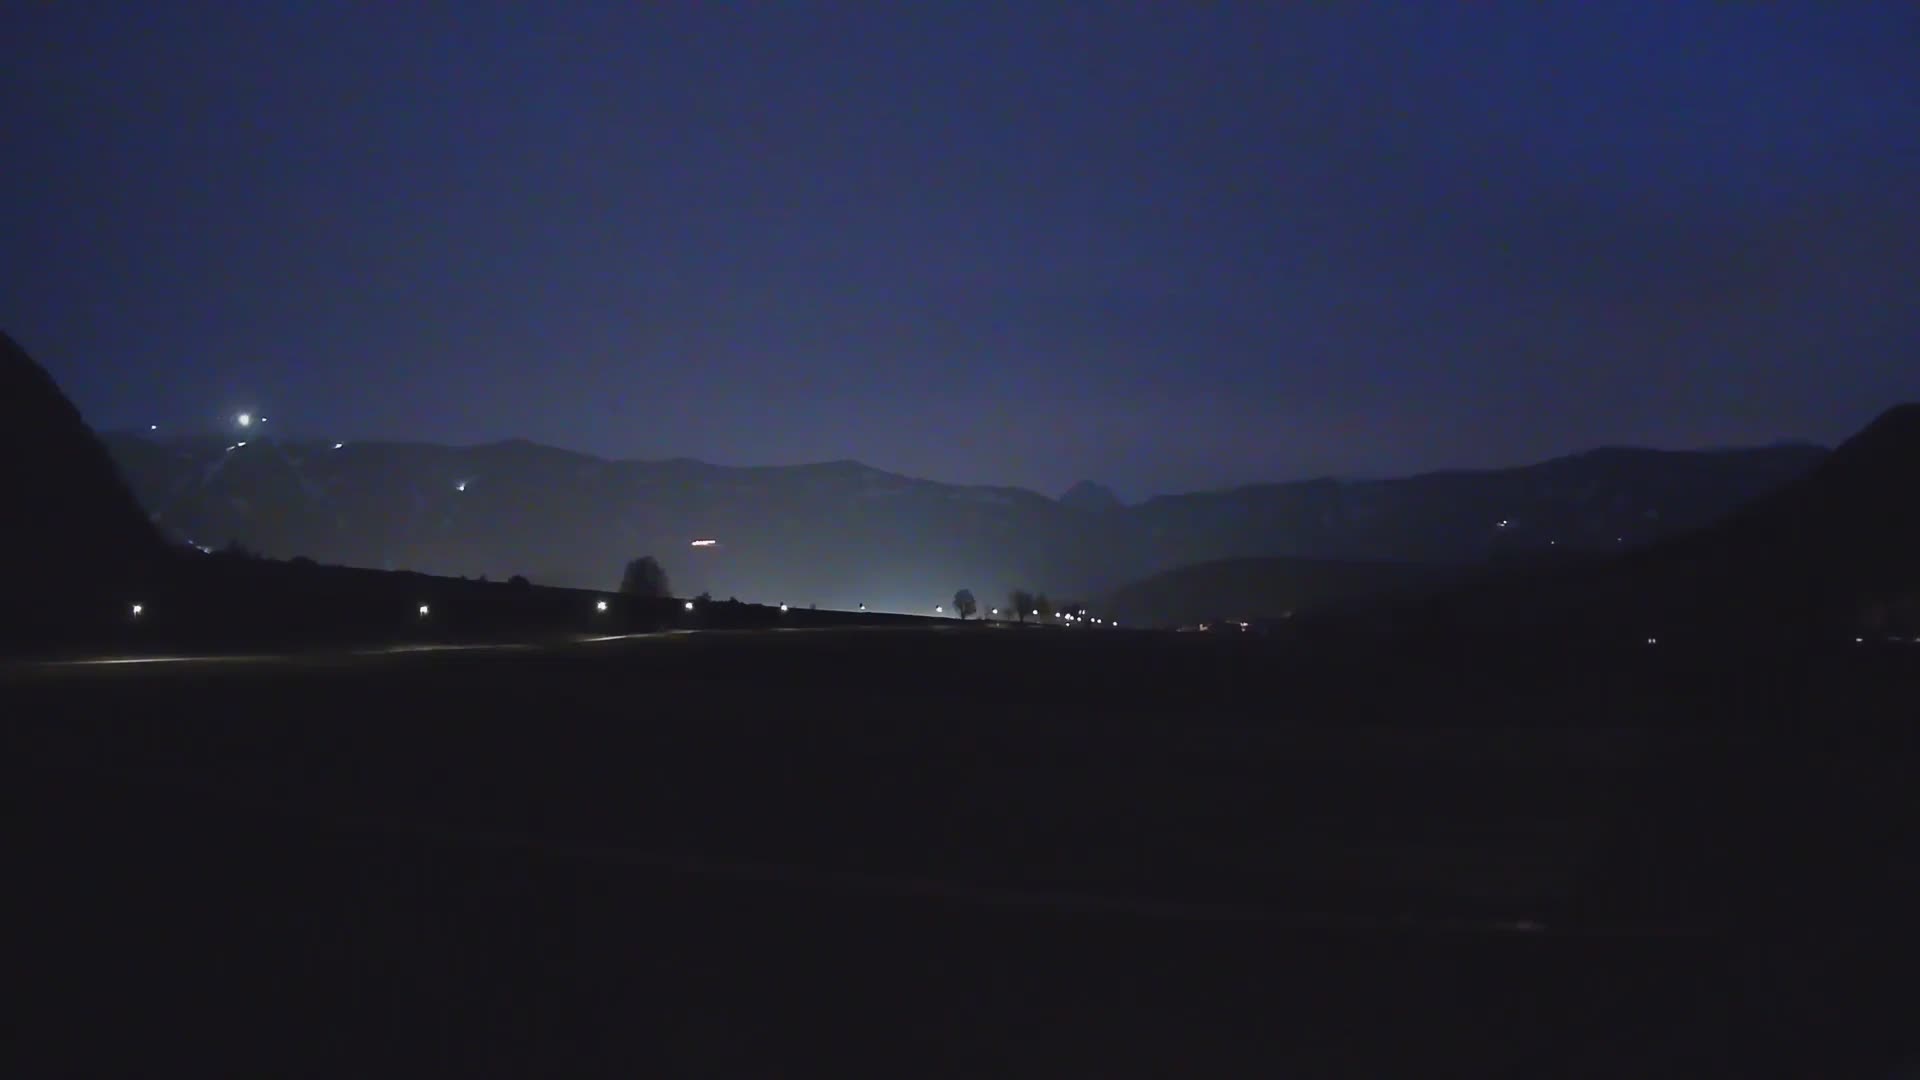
{"x": 1163, "y": 246}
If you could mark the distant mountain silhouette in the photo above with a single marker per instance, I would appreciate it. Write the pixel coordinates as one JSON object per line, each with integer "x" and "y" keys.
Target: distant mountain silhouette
{"x": 74, "y": 527}
{"x": 843, "y": 533}
{"x": 1087, "y": 495}
{"x": 1270, "y": 588}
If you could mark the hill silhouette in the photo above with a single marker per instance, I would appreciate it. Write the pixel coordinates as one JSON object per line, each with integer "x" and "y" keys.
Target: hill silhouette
{"x": 79, "y": 534}
{"x": 1840, "y": 546}
{"x": 1266, "y": 589}
{"x": 1830, "y": 554}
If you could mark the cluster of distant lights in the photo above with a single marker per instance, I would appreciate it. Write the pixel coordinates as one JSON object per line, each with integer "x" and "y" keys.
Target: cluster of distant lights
{"x": 138, "y": 609}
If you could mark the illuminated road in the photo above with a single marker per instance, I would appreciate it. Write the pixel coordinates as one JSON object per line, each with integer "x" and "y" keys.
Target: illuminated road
{"x": 27, "y": 669}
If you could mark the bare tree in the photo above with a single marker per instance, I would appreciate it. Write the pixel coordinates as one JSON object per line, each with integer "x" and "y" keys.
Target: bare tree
{"x": 1022, "y": 602}
{"x": 645, "y": 578}
{"x": 1042, "y": 606}
{"x": 964, "y": 603}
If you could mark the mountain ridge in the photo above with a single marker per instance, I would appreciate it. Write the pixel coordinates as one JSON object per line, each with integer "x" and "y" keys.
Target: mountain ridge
{"x": 841, "y": 533}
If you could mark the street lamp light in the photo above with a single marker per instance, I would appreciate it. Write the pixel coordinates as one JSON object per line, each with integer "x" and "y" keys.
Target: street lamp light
{"x": 424, "y": 610}
{"x": 138, "y": 609}
{"x": 689, "y": 605}
{"x": 599, "y": 605}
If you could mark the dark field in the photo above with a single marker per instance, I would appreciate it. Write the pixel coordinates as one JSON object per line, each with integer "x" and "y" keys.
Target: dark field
{"x": 967, "y": 851}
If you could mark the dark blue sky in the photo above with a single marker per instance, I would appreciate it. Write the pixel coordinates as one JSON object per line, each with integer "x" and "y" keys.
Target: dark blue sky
{"x": 1026, "y": 243}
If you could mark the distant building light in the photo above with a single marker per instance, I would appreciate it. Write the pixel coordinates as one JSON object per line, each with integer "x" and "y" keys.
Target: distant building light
{"x": 1503, "y": 523}
{"x": 240, "y": 444}
{"x": 138, "y": 609}
{"x": 153, "y": 427}
{"x": 689, "y": 605}
{"x": 863, "y": 607}
{"x": 939, "y": 609}
{"x": 783, "y": 608}
{"x": 1036, "y": 611}
{"x": 424, "y": 610}
{"x": 599, "y": 605}
{"x": 460, "y": 485}
{"x": 995, "y": 611}
{"x": 244, "y": 419}
{"x": 1653, "y": 641}
{"x": 703, "y": 543}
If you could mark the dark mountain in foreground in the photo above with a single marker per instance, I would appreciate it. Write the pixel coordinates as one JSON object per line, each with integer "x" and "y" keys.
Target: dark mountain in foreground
{"x": 1839, "y": 546}
{"x": 1273, "y": 588}
{"x": 842, "y": 533}
{"x": 1831, "y": 554}
{"x": 74, "y": 526}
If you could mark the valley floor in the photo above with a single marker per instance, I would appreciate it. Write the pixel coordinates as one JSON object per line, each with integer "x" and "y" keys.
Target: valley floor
{"x": 949, "y": 853}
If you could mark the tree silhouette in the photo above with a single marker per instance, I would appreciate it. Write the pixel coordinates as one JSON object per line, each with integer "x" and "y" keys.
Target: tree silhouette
{"x": 1022, "y": 603}
{"x": 1044, "y": 606}
{"x": 645, "y": 578}
{"x": 964, "y": 603}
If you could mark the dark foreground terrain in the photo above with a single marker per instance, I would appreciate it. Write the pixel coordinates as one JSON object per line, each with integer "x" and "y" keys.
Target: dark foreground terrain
{"x": 965, "y": 852}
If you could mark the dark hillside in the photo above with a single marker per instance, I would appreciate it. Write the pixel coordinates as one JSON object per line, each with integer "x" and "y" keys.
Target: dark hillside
{"x": 75, "y": 533}
{"x": 1264, "y": 589}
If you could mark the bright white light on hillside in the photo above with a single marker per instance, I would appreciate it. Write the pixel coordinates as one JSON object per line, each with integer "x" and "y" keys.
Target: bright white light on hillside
{"x": 139, "y": 609}
{"x": 939, "y": 609}
{"x": 863, "y": 607}
{"x": 244, "y": 419}
{"x": 424, "y": 610}
{"x": 1653, "y": 641}
{"x": 783, "y": 608}
{"x": 1036, "y": 611}
{"x": 689, "y": 605}
{"x": 599, "y": 605}
{"x": 703, "y": 543}
{"x": 995, "y": 611}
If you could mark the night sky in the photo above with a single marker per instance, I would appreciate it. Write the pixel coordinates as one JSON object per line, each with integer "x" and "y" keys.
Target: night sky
{"x": 1155, "y": 246}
